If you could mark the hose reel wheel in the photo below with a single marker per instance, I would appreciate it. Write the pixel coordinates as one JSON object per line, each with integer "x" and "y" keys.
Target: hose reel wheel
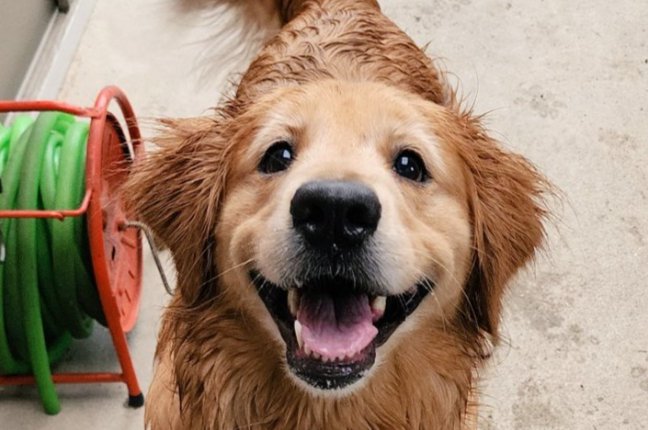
{"x": 116, "y": 250}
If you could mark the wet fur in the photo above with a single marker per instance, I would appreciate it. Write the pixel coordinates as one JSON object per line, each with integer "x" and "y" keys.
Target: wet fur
{"x": 217, "y": 367}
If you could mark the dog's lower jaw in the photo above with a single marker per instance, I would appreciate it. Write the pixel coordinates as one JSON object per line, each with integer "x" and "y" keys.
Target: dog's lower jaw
{"x": 216, "y": 379}
{"x": 324, "y": 394}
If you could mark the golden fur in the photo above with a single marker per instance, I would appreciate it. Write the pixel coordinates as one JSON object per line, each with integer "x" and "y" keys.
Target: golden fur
{"x": 349, "y": 87}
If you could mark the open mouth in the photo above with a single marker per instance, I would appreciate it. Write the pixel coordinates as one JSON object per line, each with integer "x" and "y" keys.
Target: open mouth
{"x": 332, "y": 326}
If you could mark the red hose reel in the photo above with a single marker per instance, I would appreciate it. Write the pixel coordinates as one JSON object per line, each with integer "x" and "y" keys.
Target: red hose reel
{"x": 116, "y": 249}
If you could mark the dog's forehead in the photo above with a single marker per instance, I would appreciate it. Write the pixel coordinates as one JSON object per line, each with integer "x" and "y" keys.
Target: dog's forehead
{"x": 344, "y": 107}
{"x": 350, "y": 113}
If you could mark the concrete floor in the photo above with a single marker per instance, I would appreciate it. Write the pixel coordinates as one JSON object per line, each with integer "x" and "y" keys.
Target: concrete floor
{"x": 565, "y": 83}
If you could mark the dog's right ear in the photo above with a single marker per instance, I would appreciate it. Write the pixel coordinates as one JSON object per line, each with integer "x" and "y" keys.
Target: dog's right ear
{"x": 506, "y": 197}
{"x": 176, "y": 190}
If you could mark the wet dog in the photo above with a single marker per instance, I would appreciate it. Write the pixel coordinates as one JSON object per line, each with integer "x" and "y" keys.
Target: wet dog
{"x": 343, "y": 233}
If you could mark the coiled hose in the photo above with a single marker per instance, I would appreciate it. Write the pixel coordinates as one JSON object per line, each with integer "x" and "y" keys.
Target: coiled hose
{"x": 47, "y": 292}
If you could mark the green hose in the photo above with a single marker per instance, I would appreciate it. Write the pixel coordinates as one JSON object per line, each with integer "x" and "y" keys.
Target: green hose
{"x": 47, "y": 291}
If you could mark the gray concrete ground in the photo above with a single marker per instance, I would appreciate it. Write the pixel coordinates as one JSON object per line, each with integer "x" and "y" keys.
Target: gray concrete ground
{"x": 565, "y": 83}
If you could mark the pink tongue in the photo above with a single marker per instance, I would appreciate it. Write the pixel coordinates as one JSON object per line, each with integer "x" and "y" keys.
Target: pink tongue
{"x": 336, "y": 327}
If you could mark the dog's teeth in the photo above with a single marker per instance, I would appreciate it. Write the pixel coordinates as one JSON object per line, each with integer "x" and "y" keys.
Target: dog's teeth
{"x": 298, "y": 333}
{"x": 293, "y": 302}
{"x": 324, "y": 358}
{"x": 378, "y": 304}
{"x": 307, "y": 350}
{"x": 316, "y": 356}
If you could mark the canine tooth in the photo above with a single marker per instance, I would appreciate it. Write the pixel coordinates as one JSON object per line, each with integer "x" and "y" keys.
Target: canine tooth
{"x": 293, "y": 302}
{"x": 298, "y": 333}
{"x": 307, "y": 350}
{"x": 379, "y": 303}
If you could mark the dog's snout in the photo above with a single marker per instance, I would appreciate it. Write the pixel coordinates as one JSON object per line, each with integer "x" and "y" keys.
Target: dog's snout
{"x": 335, "y": 213}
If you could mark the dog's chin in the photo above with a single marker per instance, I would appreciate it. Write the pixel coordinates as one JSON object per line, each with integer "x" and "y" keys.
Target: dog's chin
{"x": 332, "y": 326}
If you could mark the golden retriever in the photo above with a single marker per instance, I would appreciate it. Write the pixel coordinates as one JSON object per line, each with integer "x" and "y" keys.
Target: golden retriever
{"x": 343, "y": 233}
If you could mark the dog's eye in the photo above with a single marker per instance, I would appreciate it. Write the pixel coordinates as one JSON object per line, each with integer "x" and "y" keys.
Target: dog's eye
{"x": 408, "y": 164}
{"x": 277, "y": 158}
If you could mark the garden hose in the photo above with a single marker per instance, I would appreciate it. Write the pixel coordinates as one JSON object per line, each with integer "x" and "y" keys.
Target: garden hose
{"x": 47, "y": 291}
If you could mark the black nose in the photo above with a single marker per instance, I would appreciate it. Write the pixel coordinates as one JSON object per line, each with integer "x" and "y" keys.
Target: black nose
{"x": 335, "y": 213}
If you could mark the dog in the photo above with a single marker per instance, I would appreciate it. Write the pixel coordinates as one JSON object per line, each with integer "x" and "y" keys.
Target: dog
{"x": 343, "y": 232}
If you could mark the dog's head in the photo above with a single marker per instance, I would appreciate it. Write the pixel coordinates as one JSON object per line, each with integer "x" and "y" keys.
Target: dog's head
{"x": 343, "y": 217}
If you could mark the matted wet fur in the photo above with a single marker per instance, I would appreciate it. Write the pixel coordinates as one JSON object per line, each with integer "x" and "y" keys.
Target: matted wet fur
{"x": 348, "y": 90}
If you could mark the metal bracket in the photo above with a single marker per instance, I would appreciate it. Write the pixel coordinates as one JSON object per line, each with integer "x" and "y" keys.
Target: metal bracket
{"x": 154, "y": 251}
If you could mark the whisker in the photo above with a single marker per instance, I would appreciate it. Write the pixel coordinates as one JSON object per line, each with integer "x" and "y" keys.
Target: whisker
{"x": 234, "y": 267}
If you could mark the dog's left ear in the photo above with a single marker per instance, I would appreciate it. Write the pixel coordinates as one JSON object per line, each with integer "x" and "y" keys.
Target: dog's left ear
{"x": 177, "y": 190}
{"x": 506, "y": 201}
